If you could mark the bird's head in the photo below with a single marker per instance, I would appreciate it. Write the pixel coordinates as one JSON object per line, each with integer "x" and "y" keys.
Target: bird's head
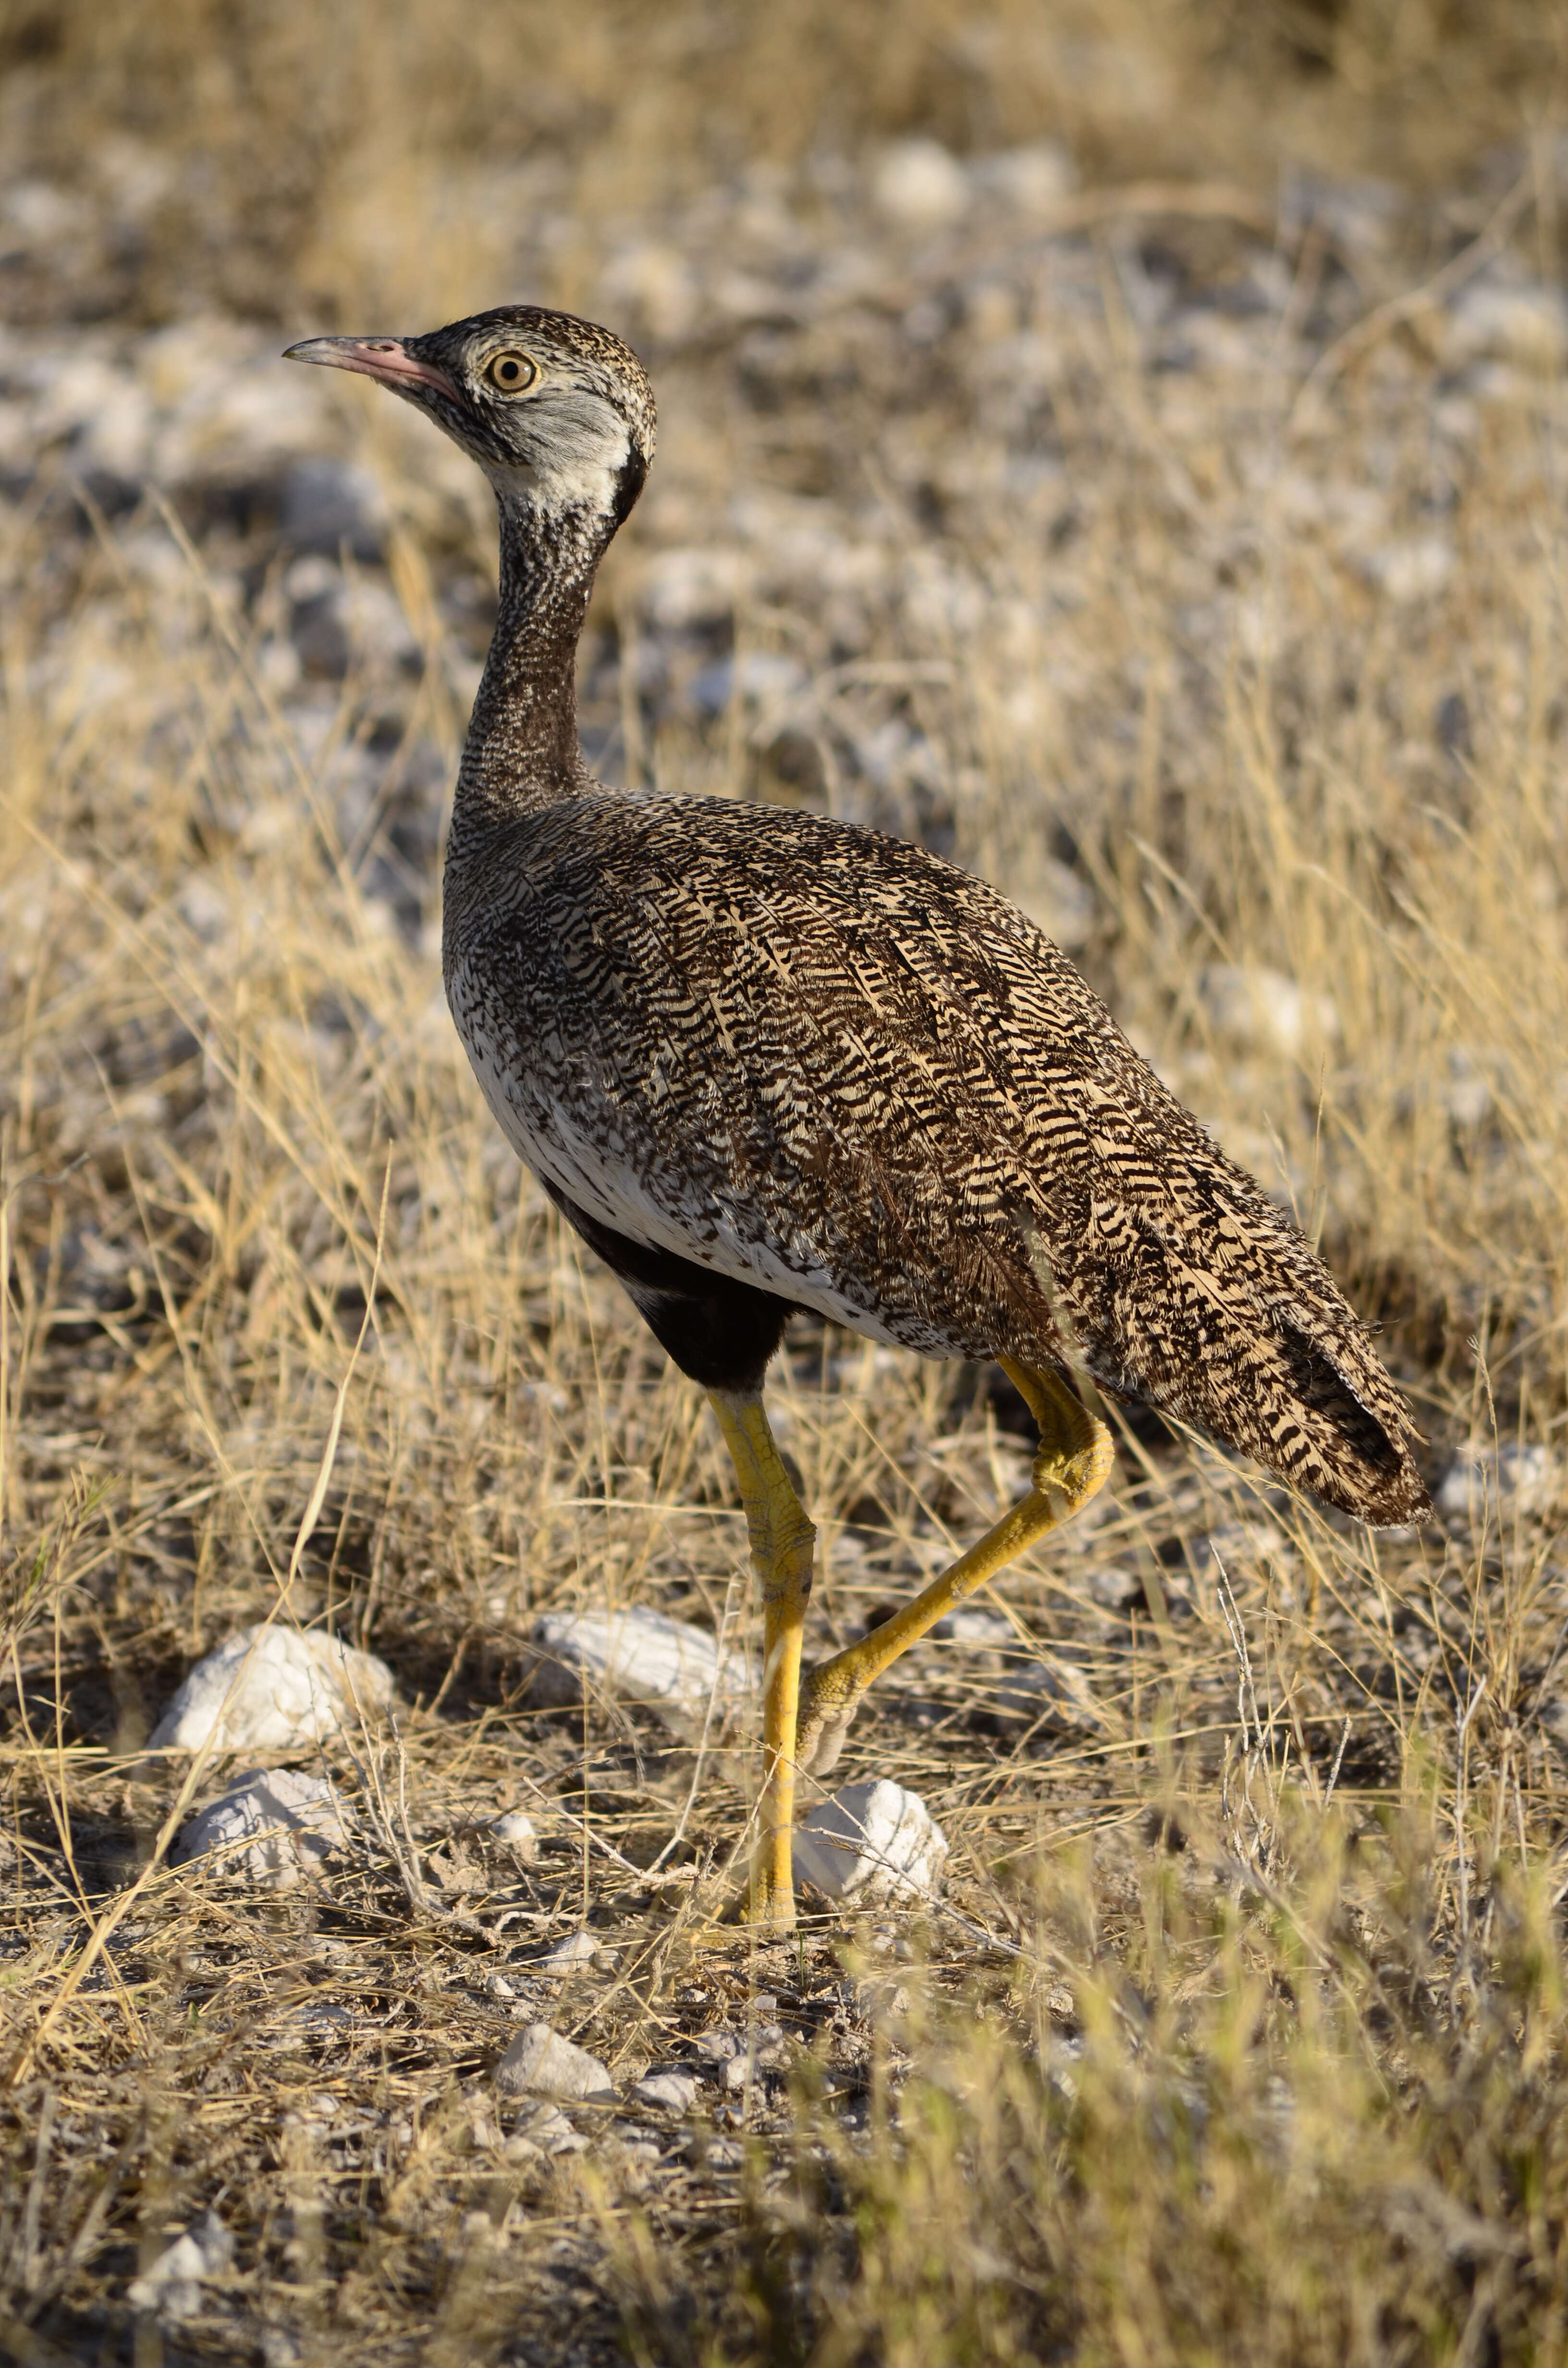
{"x": 557, "y": 411}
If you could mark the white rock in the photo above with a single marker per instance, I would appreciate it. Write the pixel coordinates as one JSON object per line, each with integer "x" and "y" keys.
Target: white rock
{"x": 172, "y": 2287}
{"x": 1508, "y": 1479}
{"x": 1032, "y": 181}
{"x": 516, "y": 1830}
{"x": 919, "y": 186}
{"x": 547, "y": 2131}
{"x": 539, "y": 2063}
{"x": 869, "y": 1841}
{"x": 643, "y": 1655}
{"x": 669, "y": 2086}
{"x": 268, "y": 1826}
{"x": 1526, "y": 326}
{"x": 289, "y": 1690}
{"x": 1264, "y": 1010}
{"x": 1415, "y": 568}
{"x": 975, "y": 1625}
{"x": 1112, "y": 1587}
{"x": 1470, "y": 1096}
{"x": 723, "y": 2054}
{"x": 637, "y": 2144}
{"x": 576, "y": 1948}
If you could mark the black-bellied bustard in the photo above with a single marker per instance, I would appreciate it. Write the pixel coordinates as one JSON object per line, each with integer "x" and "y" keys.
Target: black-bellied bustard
{"x": 762, "y": 1061}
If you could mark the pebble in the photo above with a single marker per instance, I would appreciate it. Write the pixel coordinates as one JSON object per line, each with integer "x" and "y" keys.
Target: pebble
{"x": 871, "y": 1841}
{"x": 919, "y": 186}
{"x": 546, "y": 2130}
{"x": 638, "y": 2145}
{"x": 269, "y": 1826}
{"x": 540, "y": 2063}
{"x": 672, "y": 2088}
{"x": 1526, "y": 1479}
{"x": 976, "y": 1625}
{"x": 1265, "y": 1011}
{"x": 516, "y": 1830}
{"x": 1033, "y": 180}
{"x": 1526, "y": 325}
{"x": 1113, "y": 1589}
{"x": 173, "y": 2285}
{"x": 290, "y": 1690}
{"x": 562, "y": 1957}
{"x": 641, "y": 1655}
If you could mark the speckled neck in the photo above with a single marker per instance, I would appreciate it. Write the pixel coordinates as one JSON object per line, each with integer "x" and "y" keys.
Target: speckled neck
{"x": 522, "y": 750}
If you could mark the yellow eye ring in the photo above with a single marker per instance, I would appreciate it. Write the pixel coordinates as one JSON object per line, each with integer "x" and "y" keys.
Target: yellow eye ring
{"x": 510, "y": 373}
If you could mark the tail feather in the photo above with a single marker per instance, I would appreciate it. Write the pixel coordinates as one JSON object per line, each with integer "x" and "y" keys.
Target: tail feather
{"x": 1353, "y": 1439}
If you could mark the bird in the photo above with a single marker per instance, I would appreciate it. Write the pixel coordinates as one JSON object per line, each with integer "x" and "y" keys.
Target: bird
{"x": 765, "y": 1060}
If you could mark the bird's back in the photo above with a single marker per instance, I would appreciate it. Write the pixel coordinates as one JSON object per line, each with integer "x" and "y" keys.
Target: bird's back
{"x": 828, "y": 1064}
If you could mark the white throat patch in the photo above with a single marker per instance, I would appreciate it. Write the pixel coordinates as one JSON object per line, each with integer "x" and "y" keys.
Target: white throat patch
{"x": 583, "y": 445}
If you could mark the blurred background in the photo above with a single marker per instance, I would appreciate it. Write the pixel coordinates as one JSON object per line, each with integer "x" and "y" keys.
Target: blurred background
{"x": 1120, "y": 444}
{"x": 264, "y": 160}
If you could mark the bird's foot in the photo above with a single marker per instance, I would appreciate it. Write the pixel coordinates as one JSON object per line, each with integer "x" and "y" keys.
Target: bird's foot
{"x": 829, "y": 1700}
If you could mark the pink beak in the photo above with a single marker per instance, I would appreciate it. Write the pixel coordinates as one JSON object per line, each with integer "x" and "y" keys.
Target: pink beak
{"x": 384, "y": 358}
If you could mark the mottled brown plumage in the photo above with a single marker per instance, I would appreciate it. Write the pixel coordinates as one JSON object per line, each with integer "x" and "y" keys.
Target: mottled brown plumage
{"x": 821, "y": 1068}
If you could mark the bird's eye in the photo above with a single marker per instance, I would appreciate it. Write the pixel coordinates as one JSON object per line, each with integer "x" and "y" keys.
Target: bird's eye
{"x": 511, "y": 372}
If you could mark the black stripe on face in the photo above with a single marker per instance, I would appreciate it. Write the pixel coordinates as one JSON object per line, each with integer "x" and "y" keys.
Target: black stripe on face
{"x": 630, "y": 479}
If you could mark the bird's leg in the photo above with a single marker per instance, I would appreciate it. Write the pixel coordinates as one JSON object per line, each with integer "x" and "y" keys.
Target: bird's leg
{"x": 1072, "y": 1465}
{"x": 781, "y": 1543}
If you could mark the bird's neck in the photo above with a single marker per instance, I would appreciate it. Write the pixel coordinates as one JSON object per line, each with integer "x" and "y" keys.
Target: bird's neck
{"x": 522, "y": 750}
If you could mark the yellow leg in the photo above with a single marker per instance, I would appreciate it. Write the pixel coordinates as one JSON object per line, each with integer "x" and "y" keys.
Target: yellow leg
{"x": 781, "y": 1545}
{"x": 1072, "y": 1464}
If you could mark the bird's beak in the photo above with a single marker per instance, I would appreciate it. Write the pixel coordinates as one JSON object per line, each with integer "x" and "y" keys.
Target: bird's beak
{"x": 385, "y": 358}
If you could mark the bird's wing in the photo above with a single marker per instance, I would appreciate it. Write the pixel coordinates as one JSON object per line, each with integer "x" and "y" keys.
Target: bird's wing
{"x": 827, "y": 1063}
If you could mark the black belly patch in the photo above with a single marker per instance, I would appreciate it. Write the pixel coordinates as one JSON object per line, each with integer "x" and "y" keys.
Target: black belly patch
{"x": 719, "y": 1332}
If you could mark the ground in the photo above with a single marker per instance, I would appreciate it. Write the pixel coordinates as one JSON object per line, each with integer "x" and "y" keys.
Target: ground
{"x": 1121, "y": 448}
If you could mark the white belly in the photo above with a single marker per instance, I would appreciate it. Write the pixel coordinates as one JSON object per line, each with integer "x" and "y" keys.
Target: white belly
{"x": 607, "y": 1186}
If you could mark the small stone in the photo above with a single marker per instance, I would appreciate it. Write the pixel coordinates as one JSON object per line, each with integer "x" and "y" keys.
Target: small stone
{"x": 671, "y": 2088}
{"x": 172, "y": 2287}
{"x": 289, "y": 1690}
{"x": 1526, "y": 1479}
{"x": 869, "y": 1842}
{"x": 637, "y": 2144}
{"x": 516, "y": 1830}
{"x": 1113, "y": 1589}
{"x": 640, "y": 1654}
{"x": 267, "y": 1829}
{"x": 540, "y": 2063}
{"x": 974, "y": 1625}
{"x": 918, "y": 185}
{"x": 546, "y": 2130}
{"x": 1526, "y": 326}
{"x": 564, "y": 1955}
{"x": 1414, "y": 568}
{"x": 1032, "y": 181}
{"x": 1264, "y": 1010}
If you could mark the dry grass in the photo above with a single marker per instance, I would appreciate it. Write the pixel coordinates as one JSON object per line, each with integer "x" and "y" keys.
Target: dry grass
{"x": 1241, "y": 2035}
